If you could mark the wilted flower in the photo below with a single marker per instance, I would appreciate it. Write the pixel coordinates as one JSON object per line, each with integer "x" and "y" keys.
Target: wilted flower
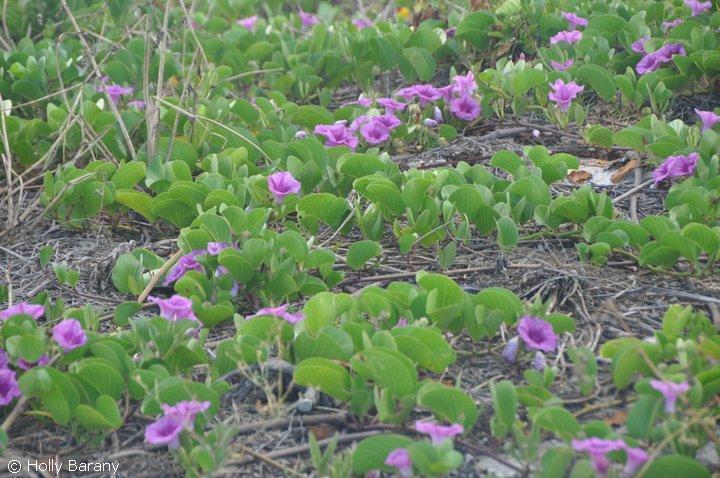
{"x": 563, "y": 93}
{"x": 23, "y": 308}
{"x": 697, "y": 7}
{"x": 248, "y": 22}
{"x": 557, "y": 66}
{"x": 708, "y": 118}
{"x": 676, "y": 166}
{"x": 574, "y": 20}
{"x": 567, "y": 36}
{"x": 337, "y": 135}
{"x": 175, "y": 308}
{"x": 511, "y": 349}
{"x": 361, "y": 23}
{"x": 280, "y": 312}
{"x": 69, "y": 334}
{"x": 465, "y": 107}
{"x": 672, "y": 24}
{"x": 638, "y": 46}
{"x": 390, "y": 105}
{"x": 438, "y": 433}
{"x": 176, "y": 418}
{"x": 597, "y": 449}
{"x": 184, "y": 264}
{"x": 25, "y": 365}
{"x": 400, "y": 459}
{"x": 537, "y": 334}
{"x": 539, "y": 362}
{"x": 308, "y": 19}
{"x": 115, "y": 92}
{"x": 282, "y": 184}
{"x": 9, "y": 388}
{"x": 670, "y": 391}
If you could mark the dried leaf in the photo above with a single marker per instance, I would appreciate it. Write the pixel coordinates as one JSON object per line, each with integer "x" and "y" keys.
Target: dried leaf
{"x": 579, "y": 176}
{"x": 624, "y": 171}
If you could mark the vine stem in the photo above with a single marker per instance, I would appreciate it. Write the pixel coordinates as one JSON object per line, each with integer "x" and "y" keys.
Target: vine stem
{"x": 154, "y": 280}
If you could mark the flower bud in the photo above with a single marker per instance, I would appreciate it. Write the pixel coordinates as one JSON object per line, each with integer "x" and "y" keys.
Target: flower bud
{"x": 511, "y": 350}
{"x": 539, "y": 361}
{"x": 300, "y": 134}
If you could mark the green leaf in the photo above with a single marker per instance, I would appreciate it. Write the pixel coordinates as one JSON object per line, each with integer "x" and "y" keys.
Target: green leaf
{"x": 103, "y": 376}
{"x": 425, "y": 346}
{"x": 504, "y": 399}
{"x": 359, "y": 253}
{"x": 706, "y": 238}
{"x": 421, "y": 61}
{"x": 507, "y": 233}
{"x": 104, "y": 416}
{"x": 371, "y": 453}
{"x": 599, "y": 79}
{"x": 557, "y": 420}
{"x": 672, "y": 466}
{"x": 448, "y": 404}
{"x": 528, "y": 78}
{"x": 326, "y": 207}
{"x": 325, "y": 375}
{"x": 474, "y": 29}
{"x": 139, "y": 202}
{"x": 308, "y": 116}
{"x": 330, "y": 343}
{"x": 388, "y": 368}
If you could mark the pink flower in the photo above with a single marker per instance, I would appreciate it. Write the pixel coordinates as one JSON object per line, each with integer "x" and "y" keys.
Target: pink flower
{"x": 598, "y": 449}
{"x": 670, "y": 391}
{"x": 446, "y": 92}
{"x": 9, "y": 389}
{"x": 215, "y": 248}
{"x": 676, "y": 166}
{"x": 4, "y": 360}
{"x": 400, "y": 459}
{"x": 282, "y": 184}
{"x": 567, "y": 36}
{"x": 561, "y": 66}
{"x": 708, "y": 118}
{"x": 137, "y": 104}
{"x": 465, "y": 85}
{"x": 652, "y": 61}
{"x": 308, "y": 19}
{"x": 363, "y": 101}
{"x": 175, "y": 308}
{"x": 185, "y": 411}
{"x": 402, "y": 322}
{"x": 337, "y": 135}
{"x": 25, "y": 365}
{"x": 465, "y": 107}
{"x": 374, "y": 132}
{"x": 563, "y": 93}
{"x": 280, "y": 312}
{"x": 361, "y": 23}
{"x": 427, "y": 94}
{"x": 672, "y": 24}
{"x": 574, "y": 20}
{"x": 248, "y": 22}
{"x": 184, "y": 264}
{"x": 537, "y": 334}
{"x": 389, "y": 120}
{"x": 510, "y": 351}
{"x": 408, "y": 93}
{"x": 638, "y": 46}
{"x": 358, "y": 122}
{"x": 69, "y": 334}
{"x": 438, "y": 433}
{"x": 115, "y": 92}
{"x": 636, "y": 457}
{"x": 390, "y": 105}
{"x": 697, "y": 7}
{"x": 23, "y": 308}
{"x": 165, "y": 431}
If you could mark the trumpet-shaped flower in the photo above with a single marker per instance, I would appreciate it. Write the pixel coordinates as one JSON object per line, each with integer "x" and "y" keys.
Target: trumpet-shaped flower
{"x": 567, "y": 36}
{"x": 69, "y": 334}
{"x": 697, "y": 7}
{"x": 175, "y": 308}
{"x": 280, "y": 312}
{"x": 676, "y": 166}
{"x": 9, "y": 388}
{"x": 574, "y": 20}
{"x": 23, "y": 308}
{"x": 337, "y": 134}
{"x": 465, "y": 107}
{"x": 438, "y": 433}
{"x": 563, "y": 93}
{"x": 557, "y": 66}
{"x": 390, "y": 105}
{"x": 248, "y": 22}
{"x": 670, "y": 392}
{"x": 400, "y": 459}
{"x": 708, "y": 118}
{"x": 638, "y": 46}
{"x": 537, "y": 334}
{"x": 282, "y": 184}
{"x": 308, "y": 19}
{"x": 186, "y": 263}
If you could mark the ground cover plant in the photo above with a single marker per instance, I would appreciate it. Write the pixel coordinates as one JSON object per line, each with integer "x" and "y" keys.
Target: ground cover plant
{"x": 430, "y": 238}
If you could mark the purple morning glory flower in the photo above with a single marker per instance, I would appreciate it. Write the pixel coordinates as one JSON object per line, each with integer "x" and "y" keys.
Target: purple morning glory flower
{"x": 437, "y": 115}
{"x": 510, "y": 351}
{"x": 390, "y": 105}
{"x": 248, "y": 22}
{"x": 430, "y": 123}
{"x": 676, "y": 166}
{"x": 465, "y": 107}
{"x": 389, "y": 120}
{"x": 215, "y": 248}
{"x": 4, "y": 360}
{"x": 563, "y": 93}
{"x": 165, "y": 431}
{"x": 137, "y": 104}
{"x": 358, "y": 122}
{"x": 23, "y": 308}
{"x": 361, "y": 23}
{"x": 464, "y": 85}
{"x": 708, "y": 118}
{"x": 400, "y": 459}
{"x": 557, "y": 66}
{"x": 69, "y": 334}
{"x": 438, "y": 433}
{"x": 652, "y": 61}
{"x": 670, "y": 391}
{"x": 672, "y": 24}
{"x": 184, "y": 264}
{"x": 280, "y": 312}
{"x": 363, "y": 101}
{"x": 537, "y": 334}
{"x": 185, "y": 411}
{"x": 337, "y": 135}
{"x": 282, "y": 184}
{"x": 539, "y": 362}
{"x": 567, "y": 36}
{"x": 427, "y": 94}
{"x": 574, "y": 20}
{"x": 175, "y": 308}
{"x": 597, "y": 449}
{"x": 636, "y": 457}
{"x": 25, "y": 365}
{"x": 447, "y": 92}
{"x": 374, "y": 132}
{"x": 638, "y": 46}
{"x": 115, "y": 92}
{"x": 402, "y": 322}
{"x": 9, "y": 389}
{"x": 697, "y": 7}
{"x": 408, "y": 93}
{"x": 308, "y": 19}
